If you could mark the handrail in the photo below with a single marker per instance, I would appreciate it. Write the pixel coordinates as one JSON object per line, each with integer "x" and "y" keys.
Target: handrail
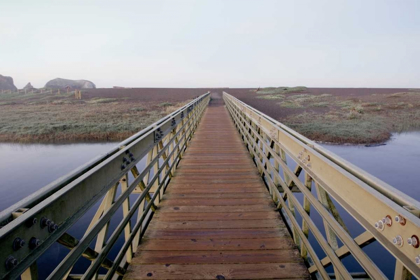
{"x": 384, "y": 188}
{"x": 389, "y": 216}
{"x": 43, "y": 218}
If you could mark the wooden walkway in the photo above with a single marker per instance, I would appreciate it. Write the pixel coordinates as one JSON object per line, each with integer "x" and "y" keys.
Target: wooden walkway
{"x": 217, "y": 220}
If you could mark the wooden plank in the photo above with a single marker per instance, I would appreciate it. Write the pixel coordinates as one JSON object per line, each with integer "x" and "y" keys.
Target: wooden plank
{"x": 218, "y": 233}
{"x": 214, "y": 190}
{"x": 219, "y": 180}
{"x": 217, "y": 219}
{"x": 214, "y": 202}
{"x": 210, "y": 185}
{"x": 240, "y": 224}
{"x": 186, "y": 195}
{"x": 218, "y": 271}
{"x": 216, "y": 209}
{"x": 193, "y": 216}
{"x": 276, "y": 243}
{"x": 217, "y": 257}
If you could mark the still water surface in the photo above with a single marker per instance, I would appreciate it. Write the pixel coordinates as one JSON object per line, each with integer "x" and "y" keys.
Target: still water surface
{"x": 26, "y": 168}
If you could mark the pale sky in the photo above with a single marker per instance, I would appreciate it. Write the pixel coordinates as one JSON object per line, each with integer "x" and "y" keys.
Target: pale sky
{"x": 357, "y": 43}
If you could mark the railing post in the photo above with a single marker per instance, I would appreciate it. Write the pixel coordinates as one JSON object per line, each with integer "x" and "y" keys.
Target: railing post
{"x": 126, "y": 210}
{"x": 401, "y": 272}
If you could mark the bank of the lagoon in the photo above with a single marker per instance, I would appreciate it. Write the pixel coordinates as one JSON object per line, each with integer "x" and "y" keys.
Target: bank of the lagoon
{"x": 28, "y": 167}
{"x": 25, "y": 168}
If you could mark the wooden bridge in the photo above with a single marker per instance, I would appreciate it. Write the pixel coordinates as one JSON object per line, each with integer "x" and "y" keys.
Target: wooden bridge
{"x": 215, "y": 190}
{"x": 217, "y": 219}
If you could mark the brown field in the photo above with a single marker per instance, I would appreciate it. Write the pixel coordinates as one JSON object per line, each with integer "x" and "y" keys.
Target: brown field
{"x": 101, "y": 114}
{"x": 339, "y": 115}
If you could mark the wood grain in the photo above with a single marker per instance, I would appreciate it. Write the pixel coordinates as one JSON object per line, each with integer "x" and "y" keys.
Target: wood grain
{"x": 217, "y": 219}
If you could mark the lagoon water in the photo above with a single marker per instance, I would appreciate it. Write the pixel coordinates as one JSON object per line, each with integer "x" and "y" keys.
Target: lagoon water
{"x": 26, "y": 168}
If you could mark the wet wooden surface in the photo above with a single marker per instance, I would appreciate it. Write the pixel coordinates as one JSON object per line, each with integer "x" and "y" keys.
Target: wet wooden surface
{"x": 216, "y": 219}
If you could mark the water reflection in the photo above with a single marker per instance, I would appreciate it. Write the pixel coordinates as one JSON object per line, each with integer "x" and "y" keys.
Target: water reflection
{"x": 396, "y": 163}
{"x": 26, "y": 168}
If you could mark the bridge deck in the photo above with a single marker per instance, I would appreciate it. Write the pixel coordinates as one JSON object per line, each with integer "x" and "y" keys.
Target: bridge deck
{"x": 217, "y": 220}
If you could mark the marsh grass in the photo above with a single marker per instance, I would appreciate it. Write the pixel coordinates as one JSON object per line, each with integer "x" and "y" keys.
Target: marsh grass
{"x": 290, "y": 104}
{"x": 320, "y": 104}
{"x": 165, "y": 104}
{"x": 281, "y": 90}
{"x": 50, "y": 118}
{"x": 103, "y": 100}
{"x": 271, "y": 97}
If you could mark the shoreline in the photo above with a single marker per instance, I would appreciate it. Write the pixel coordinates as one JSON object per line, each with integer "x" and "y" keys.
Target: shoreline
{"x": 116, "y": 138}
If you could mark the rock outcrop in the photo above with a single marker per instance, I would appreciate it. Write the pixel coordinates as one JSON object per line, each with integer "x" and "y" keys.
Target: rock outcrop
{"x": 6, "y": 83}
{"x": 72, "y": 84}
{"x": 29, "y": 87}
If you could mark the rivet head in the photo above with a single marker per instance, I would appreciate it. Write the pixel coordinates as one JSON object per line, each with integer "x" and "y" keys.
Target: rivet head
{"x": 45, "y": 222}
{"x": 11, "y": 262}
{"x": 34, "y": 242}
{"x": 398, "y": 241}
{"x": 122, "y": 166}
{"x": 52, "y": 227}
{"x": 18, "y": 243}
{"x": 400, "y": 219}
{"x": 379, "y": 225}
{"x": 413, "y": 241}
{"x": 417, "y": 260}
{"x": 31, "y": 222}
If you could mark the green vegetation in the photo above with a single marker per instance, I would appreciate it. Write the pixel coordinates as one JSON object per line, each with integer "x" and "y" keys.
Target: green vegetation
{"x": 342, "y": 116}
{"x": 320, "y": 104}
{"x": 103, "y": 100}
{"x": 63, "y": 118}
{"x": 280, "y": 90}
{"x": 290, "y": 104}
{"x": 278, "y": 96}
{"x": 165, "y": 104}
{"x": 353, "y": 120}
{"x": 353, "y": 127}
{"x": 344, "y": 130}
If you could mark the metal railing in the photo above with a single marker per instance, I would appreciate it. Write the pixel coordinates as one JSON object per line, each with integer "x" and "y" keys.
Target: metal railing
{"x": 387, "y": 215}
{"x": 31, "y": 226}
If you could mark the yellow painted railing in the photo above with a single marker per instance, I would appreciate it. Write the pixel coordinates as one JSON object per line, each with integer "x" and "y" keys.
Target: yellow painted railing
{"x": 387, "y": 215}
{"x": 139, "y": 168}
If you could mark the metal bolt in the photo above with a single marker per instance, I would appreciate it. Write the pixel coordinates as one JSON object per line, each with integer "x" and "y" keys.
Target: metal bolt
{"x": 18, "y": 243}
{"x": 379, "y": 225}
{"x": 400, "y": 219}
{"x": 398, "y": 241}
{"x": 413, "y": 241}
{"x": 31, "y": 222}
{"x": 45, "y": 222}
{"x": 387, "y": 220}
{"x": 11, "y": 262}
{"x": 52, "y": 227}
{"x": 125, "y": 160}
{"x": 127, "y": 152}
{"x": 417, "y": 260}
{"x": 122, "y": 166}
{"x": 34, "y": 242}
{"x": 131, "y": 154}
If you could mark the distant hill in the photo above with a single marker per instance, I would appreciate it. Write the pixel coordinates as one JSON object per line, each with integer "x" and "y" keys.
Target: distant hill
{"x": 6, "y": 83}
{"x": 29, "y": 87}
{"x": 73, "y": 84}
